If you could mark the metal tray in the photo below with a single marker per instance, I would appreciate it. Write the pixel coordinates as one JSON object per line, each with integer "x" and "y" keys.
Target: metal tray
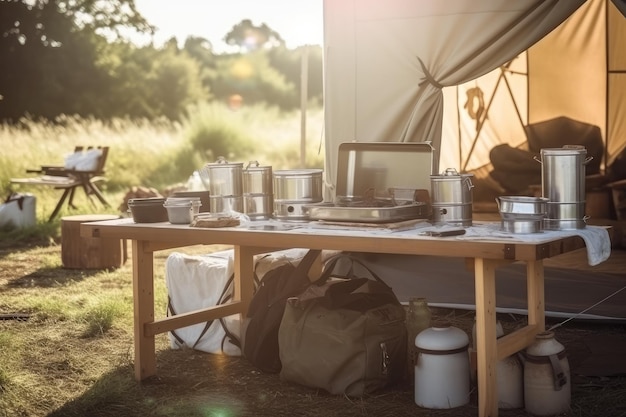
{"x": 382, "y": 165}
{"x": 331, "y": 212}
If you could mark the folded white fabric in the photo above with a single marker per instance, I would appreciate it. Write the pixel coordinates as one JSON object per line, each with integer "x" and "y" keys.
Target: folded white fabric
{"x": 598, "y": 243}
{"x": 596, "y": 238}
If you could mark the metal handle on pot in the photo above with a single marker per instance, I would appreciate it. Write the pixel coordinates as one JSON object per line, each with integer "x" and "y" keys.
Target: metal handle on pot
{"x": 221, "y": 160}
{"x": 253, "y": 163}
{"x": 536, "y": 159}
{"x": 498, "y": 202}
{"x": 587, "y": 160}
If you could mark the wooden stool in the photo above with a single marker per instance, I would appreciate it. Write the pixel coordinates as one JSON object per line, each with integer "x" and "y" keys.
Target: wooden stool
{"x": 88, "y": 252}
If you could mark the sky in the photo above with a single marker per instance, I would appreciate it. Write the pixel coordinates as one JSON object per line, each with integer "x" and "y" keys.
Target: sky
{"x": 298, "y": 22}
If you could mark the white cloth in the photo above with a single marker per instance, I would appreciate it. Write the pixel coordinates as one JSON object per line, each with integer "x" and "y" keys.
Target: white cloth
{"x": 596, "y": 238}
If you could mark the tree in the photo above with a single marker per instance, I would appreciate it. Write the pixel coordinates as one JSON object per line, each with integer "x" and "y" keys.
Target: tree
{"x": 49, "y": 50}
{"x": 249, "y": 37}
{"x": 289, "y": 63}
{"x": 254, "y": 79}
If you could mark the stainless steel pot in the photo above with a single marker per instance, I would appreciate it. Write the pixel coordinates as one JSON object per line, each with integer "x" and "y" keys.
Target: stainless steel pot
{"x": 563, "y": 173}
{"x": 295, "y": 188}
{"x": 225, "y": 184}
{"x": 522, "y": 207}
{"x": 563, "y": 183}
{"x": 224, "y": 178}
{"x": 451, "y": 195}
{"x": 522, "y": 226}
{"x": 258, "y": 191}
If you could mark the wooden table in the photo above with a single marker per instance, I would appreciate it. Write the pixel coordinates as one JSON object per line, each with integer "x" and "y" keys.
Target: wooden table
{"x": 148, "y": 238}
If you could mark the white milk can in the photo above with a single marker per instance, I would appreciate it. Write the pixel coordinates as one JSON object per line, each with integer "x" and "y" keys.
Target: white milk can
{"x": 547, "y": 383}
{"x": 442, "y": 371}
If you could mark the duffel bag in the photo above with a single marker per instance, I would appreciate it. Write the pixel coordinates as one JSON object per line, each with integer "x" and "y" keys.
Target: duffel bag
{"x": 345, "y": 335}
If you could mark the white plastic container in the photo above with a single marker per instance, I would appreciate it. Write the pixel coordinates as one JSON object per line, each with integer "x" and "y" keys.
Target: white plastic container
{"x": 547, "y": 380}
{"x": 182, "y": 210}
{"x": 442, "y": 370}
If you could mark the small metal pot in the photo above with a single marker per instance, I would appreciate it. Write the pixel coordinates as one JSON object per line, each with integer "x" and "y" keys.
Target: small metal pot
{"x": 522, "y": 226}
{"x": 303, "y": 185}
{"x": 295, "y": 188}
{"x": 452, "y": 198}
{"x": 522, "y": 208}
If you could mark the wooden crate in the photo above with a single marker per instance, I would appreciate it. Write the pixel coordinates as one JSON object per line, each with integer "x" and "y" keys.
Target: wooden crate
{"x": 88, "y": 252}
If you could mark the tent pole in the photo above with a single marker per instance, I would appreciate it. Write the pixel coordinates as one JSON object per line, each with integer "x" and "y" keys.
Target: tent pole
{"x": 482, "y": 121}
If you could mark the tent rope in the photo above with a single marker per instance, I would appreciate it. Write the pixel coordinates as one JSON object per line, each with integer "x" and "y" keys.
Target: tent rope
{"x": 587, "y": 309}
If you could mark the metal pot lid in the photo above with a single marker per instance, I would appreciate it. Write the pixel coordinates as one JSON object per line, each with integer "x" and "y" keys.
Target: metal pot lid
{"x": 565, "y": 150}
{"x": 297, "y": 172}
{"x": 223, "y": 163}
{"x": 452, "y": 174}
{"x": 255, "y": 166}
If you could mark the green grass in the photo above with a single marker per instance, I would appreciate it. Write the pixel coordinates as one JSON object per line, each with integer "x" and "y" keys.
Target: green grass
{"x": 158, "y": 154}
{"x": 73, "y": 355}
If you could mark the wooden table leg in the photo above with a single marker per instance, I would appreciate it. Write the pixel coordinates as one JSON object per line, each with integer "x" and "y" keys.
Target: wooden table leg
{"x": 486, "y": 340}
{"x": 536, "y": 294}
{"x": 244, "y": 276}
{"x": 143, "y": 296}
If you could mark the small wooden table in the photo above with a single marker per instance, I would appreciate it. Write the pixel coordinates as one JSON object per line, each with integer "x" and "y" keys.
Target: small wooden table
{"x": 148, "y": 238}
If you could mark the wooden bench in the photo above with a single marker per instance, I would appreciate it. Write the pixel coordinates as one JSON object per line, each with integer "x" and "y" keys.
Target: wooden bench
{"x": 68, "y": 180}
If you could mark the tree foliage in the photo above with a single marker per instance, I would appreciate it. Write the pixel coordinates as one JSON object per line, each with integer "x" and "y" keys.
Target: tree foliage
{"x": 249, "y": 37}
{"x": 70, "y": 57}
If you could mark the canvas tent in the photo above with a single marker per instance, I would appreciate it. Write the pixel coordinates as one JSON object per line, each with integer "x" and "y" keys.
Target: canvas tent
{"x": 401, "y": 71}
{"x": 404, "y": 70}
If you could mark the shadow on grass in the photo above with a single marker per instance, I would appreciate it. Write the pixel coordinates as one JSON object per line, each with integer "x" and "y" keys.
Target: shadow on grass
{"x": 197, "y": 384}
{"x": 50, "y": 277}
{"x": 190, "y": 383}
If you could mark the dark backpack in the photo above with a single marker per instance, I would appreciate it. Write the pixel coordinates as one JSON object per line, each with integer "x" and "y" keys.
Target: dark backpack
{"x": 260, "y": 327}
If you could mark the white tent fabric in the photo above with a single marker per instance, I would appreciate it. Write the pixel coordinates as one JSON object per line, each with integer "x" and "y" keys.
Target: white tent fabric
{"x": 374, "y": 80}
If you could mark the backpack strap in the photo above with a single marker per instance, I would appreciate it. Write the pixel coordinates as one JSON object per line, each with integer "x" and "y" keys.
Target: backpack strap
{"x": 331, "y": 264}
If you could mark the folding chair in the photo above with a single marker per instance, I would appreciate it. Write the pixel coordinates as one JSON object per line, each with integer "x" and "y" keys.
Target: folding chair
{"x": 69, "y": 179}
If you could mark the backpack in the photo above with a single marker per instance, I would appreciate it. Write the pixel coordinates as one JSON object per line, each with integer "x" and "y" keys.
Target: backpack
{"x": 261, "y": 324}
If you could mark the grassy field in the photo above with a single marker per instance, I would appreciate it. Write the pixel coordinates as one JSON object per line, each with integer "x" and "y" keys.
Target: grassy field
{"x": 158, "y": 154}
{"x": 66, "y": 335}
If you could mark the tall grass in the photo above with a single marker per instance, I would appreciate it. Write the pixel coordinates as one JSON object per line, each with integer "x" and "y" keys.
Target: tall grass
{"x": 158, "y": 153}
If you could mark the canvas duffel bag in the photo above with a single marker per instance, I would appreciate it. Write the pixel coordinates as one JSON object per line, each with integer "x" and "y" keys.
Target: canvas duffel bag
{"x": 346, "y": 336}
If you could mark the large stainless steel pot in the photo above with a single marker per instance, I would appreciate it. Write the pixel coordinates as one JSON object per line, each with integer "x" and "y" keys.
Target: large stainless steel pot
{"x": 225, "y": 183}
{"x": 563, "y": 184}
{"x": 258, "y": 191}
{"x": 293, "y": 189}
{"x": 451, "y": 195}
